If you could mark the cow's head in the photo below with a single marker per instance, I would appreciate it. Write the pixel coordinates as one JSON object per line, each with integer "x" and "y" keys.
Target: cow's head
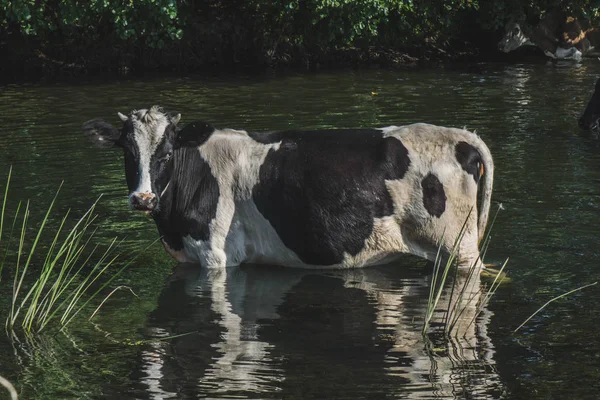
{"x": 514, "y": 37}
{"x": 590, "y": 120}
{"x": 147, "y": 139}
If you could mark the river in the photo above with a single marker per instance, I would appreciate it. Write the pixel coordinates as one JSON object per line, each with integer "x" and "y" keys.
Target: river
{"x": 271, "y": 332}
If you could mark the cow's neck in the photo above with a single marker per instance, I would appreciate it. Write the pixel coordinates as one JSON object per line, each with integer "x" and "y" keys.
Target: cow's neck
{"x": 185, "y": 196}
{"x": 171, "y": 197}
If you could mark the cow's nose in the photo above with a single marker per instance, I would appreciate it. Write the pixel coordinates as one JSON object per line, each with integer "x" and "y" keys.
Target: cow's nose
{"x": 143, "y": 201}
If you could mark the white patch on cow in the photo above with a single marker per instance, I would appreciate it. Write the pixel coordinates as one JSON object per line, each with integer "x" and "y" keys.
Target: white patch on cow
{"x": 234, "y": 159}
{"x": 570, "y": 53}
{"x": 388, "y": 129}
{"x": 149, "y": 128}
{"x": 178, "y": 255}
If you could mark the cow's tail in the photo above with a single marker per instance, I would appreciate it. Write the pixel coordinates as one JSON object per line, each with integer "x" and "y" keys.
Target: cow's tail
{"x": 486, "y": 184}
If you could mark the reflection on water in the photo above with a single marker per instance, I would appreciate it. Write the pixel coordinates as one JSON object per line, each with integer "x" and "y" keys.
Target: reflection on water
{"x": 263, "y": 331}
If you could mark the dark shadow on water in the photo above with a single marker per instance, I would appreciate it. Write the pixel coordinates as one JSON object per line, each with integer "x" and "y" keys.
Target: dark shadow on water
{"x": 267, "y": 332}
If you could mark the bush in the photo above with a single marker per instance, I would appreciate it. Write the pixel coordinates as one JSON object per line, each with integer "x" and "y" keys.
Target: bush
{"x": 100, "y": 36}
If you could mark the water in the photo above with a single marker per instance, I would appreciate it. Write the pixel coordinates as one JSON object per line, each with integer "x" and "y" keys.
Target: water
{"x": 267, "y": 332}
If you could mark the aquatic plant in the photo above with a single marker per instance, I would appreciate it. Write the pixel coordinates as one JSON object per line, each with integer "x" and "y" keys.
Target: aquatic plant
{"x": 440, "y": 275}
{"x": 466, "y": 290}
{"x": 66, "y": 274}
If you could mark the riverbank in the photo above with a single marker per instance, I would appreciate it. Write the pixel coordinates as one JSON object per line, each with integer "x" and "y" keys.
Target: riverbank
{"x": 58, "y": 58}
{"x": 34, "y": 65}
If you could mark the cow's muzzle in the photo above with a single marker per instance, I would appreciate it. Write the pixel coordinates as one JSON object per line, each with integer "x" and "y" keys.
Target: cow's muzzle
{"x": 144, "y": 202}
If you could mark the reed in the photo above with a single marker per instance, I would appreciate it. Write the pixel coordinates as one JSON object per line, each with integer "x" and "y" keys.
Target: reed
{"x": 63, "y": 272}
{"x": 440, "y": 275}
{"x": 461, "y": 297}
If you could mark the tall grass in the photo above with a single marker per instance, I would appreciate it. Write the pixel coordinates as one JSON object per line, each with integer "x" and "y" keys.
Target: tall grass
{"x": 64, "y": 271}
{"x": 441, "y": 274}
{"x": 461, "y": 297}
{"x": 439, "y": 277}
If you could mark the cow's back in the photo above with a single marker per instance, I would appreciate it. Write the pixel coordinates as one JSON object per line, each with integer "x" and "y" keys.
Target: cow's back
{"x": 323, "y": 191}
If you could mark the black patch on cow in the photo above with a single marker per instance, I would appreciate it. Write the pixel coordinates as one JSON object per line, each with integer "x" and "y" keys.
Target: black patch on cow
{"x": 434, "y": 197}
{"x": 130, "y": 153}
{"x": 194, "y": 134}
{"x": 161, "y": 162}
{"x": 131, "y": 169}
{"x": 469, "y": 158}
{"x": 190, "y": 202}
{"x": 321, "y": 190}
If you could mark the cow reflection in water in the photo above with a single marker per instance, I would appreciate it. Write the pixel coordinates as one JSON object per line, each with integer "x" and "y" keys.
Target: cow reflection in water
{"x": 310, "y": 334}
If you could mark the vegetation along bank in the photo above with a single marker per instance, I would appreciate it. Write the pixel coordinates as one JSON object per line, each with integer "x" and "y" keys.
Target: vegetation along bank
{"x": 52, "y": 38}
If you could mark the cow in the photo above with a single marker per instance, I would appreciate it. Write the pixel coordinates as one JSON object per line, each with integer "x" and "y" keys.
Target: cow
{"x": 558, "y": 35}
{"x": 590, "y": 119}
{"x": 313, "y": 199}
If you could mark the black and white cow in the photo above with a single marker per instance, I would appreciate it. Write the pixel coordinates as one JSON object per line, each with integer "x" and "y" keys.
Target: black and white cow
{"x": 558, "y": 35}
{"x": 332, "y": 198}
{"x": 590, "y": 119}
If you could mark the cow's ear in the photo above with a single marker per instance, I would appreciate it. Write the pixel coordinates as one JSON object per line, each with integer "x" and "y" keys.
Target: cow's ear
{"x": 101, "y": 133}
{"x": 193, "y": 134}
{"x": 174, "y": 118}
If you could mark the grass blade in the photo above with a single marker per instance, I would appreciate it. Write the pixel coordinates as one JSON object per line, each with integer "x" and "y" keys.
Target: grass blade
{"x": 18, "y": 280}
{"x": 439, "y": 287}
{"x": 4, "y": 203}
{"x": 107, "y": 297}
{"x": 90, "y": 298}
{"x": 553, "y": 299}
{"x": 10, "y": 237}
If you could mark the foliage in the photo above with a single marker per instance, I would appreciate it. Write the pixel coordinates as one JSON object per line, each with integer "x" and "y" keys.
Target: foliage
{"x": 152, "y": 20}
{"x": 493, "y": 15}
{"x": 123, "y": 35}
